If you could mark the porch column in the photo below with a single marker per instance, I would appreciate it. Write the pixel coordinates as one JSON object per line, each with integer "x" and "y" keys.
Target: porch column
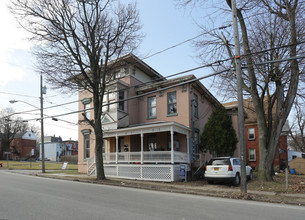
{"x": 188, "y": 147}
{"x": 116, "y": 148}
{"x": 172, "y": 145}
{"x": 142, "y": 153}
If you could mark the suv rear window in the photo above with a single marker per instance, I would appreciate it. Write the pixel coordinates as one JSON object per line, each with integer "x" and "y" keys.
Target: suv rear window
{"x": 219, "y": 161}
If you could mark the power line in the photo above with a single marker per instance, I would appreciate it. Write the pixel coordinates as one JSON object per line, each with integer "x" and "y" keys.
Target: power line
{"x": 173, "y": 86}
{"x": 9, "y": 93}
{"x": 183, "y": 42}
{"x": 206, "y": 65}
{"x": 179, "y": 73}
{"x": 141, "y": 95}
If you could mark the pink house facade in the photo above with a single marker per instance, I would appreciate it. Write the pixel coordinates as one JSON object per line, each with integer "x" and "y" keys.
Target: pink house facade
{"x": 152, "y": 129}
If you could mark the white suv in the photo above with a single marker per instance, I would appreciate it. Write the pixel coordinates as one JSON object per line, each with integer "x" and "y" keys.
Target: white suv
{"x": 225, "y": 169}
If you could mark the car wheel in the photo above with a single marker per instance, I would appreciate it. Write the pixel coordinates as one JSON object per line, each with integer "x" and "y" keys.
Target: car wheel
{"x": 250, "y": 177}
{"x": 236, "y": 181}
{"x": 210, "y": 182}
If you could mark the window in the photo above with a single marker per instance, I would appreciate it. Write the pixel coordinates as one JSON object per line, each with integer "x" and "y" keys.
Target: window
{"x": 251, "y": 134}
{"x": 195, "y": 105}
{"x": 236, "y": 162}
{"x": 151, "y": 107}
{"x": 219, "y": 161}
{"x": 171, "y": 103}
{"x": 117, "y": 74}
{"x": 152, "y": 142}
{"x": 86, "y": 146}
{"x": 87, "y": 110}
{"x": 252, "y": 154}
{"x": 121, "y": 103}
{"x": 86, "y": 102}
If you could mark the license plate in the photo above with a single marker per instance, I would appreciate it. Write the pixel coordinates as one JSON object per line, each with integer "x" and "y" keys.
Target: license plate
{"x": 216, "y": 168}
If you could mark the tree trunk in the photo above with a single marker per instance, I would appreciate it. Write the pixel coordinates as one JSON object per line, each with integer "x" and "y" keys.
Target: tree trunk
{"x": 100, "y": 174}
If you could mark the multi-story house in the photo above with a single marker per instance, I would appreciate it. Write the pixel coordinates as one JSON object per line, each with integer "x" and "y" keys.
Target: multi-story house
{"x": 252, "y": 135}
{"x": 23, "y": 146}
{"x": 53, "y": 148}
{"x": 152, "y": 130}
{"x": 71, "y": 148}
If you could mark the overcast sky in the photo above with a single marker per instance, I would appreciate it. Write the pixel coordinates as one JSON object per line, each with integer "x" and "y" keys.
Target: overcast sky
{"x": 164, "y": 25}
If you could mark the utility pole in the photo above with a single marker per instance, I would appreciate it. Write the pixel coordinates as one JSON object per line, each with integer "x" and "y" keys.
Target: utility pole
{"x": 42, "y": 91}
{"x": 241, "y": 126}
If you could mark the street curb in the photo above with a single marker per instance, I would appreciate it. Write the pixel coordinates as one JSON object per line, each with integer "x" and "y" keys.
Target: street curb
{"x": 271, "y": 197}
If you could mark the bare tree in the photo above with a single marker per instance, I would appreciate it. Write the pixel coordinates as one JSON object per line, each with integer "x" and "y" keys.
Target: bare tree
{"x": 268, "y": 26}
{"x": 76, "y": 40}
{"x": 297, "y": 129}
{"x": 10, "y": 125}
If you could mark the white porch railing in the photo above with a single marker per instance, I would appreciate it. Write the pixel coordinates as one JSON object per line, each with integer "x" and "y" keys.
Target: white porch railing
{"x": 91, "y": 168}
{"x": 148, "y": 157}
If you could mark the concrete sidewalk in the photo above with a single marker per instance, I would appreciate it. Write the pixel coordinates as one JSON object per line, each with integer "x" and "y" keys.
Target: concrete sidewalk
{"x": 224, "y": 191}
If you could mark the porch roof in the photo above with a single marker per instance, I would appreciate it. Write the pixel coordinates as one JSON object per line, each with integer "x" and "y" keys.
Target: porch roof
{"x": 147, "y": 128}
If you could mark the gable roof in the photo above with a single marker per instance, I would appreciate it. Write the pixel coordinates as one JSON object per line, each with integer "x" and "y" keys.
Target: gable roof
{"x": 19, "y": 134}
{"x": 26, "y": 135}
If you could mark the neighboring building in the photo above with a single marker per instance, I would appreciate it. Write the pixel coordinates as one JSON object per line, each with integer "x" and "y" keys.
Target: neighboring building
{"x": 252, "y": 135}
{"x": 149, "y": 137}
{"x": 295, "y": 154}
{"x": 70, "y": 148}
{"x": 53, "y": 148}
{"x": 23, "y": 146}
{"x": 48, "y": 139}
{"x": 298, "y": 164}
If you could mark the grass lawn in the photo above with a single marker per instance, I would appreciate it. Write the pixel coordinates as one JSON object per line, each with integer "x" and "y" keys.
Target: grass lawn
{"x": 296, "y": 184}
{"x": 25, "y": 165}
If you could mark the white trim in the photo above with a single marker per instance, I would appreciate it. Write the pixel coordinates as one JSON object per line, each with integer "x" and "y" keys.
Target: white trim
{"x": 116, "y": 148}
{"x": 151, "y": 128}
{"x": 251, "y": 139}
{"x": 172, "y": 145}
{"x": 252, "y": 149}
{"x": 142, "y": 147}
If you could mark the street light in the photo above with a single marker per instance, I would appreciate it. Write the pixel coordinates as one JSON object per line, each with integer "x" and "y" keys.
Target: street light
{"x": 14, "y": 101}
{"x": 43, "y": 90}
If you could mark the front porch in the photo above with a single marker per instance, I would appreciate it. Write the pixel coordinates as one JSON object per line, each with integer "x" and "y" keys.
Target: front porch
{"x": 145, "y": 157}
{"x": 148, "y": 152}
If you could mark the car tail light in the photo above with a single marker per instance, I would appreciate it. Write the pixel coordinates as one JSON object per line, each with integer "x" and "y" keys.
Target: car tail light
{"x": 230, "y": 168}
{"x": 205, "y": 168}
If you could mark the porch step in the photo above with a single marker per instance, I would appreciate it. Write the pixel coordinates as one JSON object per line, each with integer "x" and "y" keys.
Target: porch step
{"x": 91, "y": 170}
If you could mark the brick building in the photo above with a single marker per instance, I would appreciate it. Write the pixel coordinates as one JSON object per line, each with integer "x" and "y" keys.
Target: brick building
{"x": 71, "y": 148}
{"x": 23, "y": 146}
{"x": 252, "y": 135}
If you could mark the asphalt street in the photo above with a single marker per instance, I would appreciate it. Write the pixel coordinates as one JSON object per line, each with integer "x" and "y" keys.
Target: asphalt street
{"x": 29, "y": 197}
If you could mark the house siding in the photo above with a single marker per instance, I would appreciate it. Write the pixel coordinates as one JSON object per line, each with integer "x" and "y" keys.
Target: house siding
{"x": 182, "y": 116}
{"x": 135, "y": 115}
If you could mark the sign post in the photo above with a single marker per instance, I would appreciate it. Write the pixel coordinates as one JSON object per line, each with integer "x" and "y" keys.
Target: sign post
{"x": 7, "y": 153}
